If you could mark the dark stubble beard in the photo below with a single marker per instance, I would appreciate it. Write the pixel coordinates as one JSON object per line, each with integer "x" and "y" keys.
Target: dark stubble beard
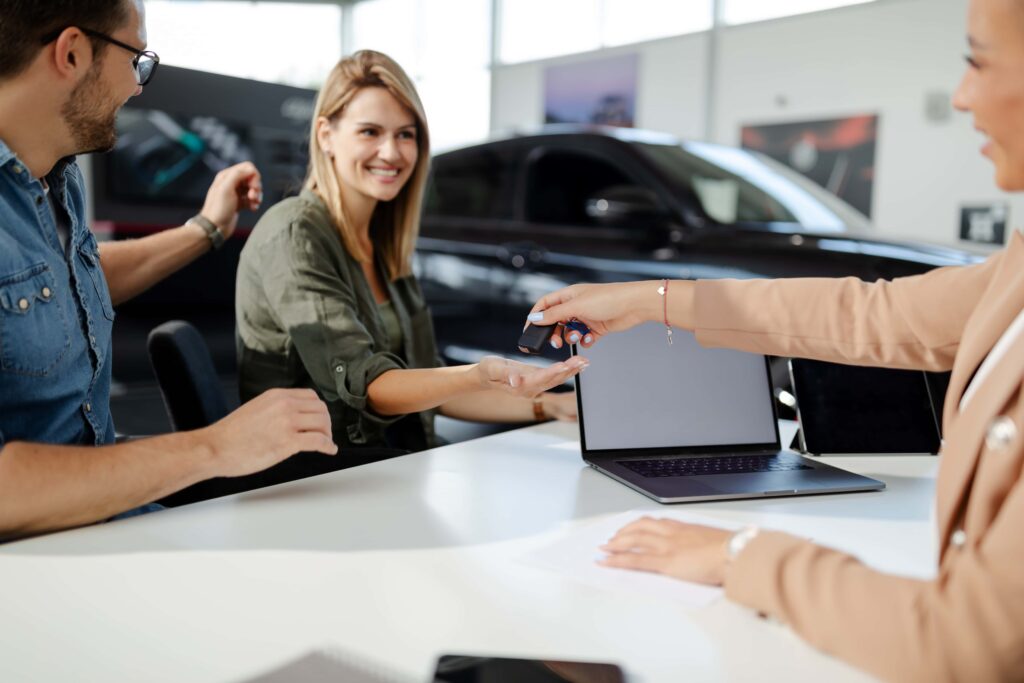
{"x": 91, "y": 115}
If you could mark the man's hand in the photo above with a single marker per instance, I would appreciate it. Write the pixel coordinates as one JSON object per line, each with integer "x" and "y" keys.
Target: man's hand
{"x": 273, "y": 426}
{"x": 233, "y": 189}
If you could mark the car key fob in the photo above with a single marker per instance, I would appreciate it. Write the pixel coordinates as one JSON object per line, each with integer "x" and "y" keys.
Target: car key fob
{"x": 578, "y": 326}
{"x": 535, "y": 337}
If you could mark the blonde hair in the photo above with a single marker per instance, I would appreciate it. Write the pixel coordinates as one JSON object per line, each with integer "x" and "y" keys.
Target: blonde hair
{"x": 394, "y": 225}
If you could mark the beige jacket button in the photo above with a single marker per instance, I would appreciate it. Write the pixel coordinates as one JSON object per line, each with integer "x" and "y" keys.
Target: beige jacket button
{"x": 1000, "y": 433}
{"x": 23, "y": 304}
{"x": 958, "y": 539}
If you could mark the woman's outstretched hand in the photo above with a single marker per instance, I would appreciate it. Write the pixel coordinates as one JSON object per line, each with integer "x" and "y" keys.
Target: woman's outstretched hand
{"x": 522, "y": 379}
{"x": 602, "y": 308}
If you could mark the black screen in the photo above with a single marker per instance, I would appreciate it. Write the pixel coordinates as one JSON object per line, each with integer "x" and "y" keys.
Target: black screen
{"x": 462, "y": 669}
{"x": 849, "y": 409}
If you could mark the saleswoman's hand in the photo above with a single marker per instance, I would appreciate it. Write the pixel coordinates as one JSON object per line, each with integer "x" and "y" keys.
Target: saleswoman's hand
{"x": 690, "y": 552}
{"x": 560, "y": 406}
{"x": 521, "y": 379}
{"x": 602, "y": 308}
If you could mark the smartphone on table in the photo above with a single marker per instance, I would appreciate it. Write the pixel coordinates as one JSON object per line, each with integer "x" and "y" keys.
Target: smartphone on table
{"x": 470, "y": 669}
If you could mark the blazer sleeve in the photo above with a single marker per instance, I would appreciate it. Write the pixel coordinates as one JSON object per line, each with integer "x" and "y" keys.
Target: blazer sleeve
{"x": 913, "y": 322}
{"x": 963, "y": 626}
{"x": 316, "y": 306}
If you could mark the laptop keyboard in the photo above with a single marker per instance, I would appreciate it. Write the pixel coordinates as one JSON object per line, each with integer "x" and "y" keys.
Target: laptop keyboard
{"x": 690, "y": 467}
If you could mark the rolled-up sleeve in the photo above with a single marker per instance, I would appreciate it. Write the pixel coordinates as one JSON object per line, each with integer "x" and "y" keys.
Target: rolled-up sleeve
{"x": 311, "y": 301}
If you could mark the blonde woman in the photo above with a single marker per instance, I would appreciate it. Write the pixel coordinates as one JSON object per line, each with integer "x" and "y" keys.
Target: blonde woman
{"x": 326, "y": 298}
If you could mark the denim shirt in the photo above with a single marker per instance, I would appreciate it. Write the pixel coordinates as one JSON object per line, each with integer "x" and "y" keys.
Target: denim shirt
{"x": 55, "y": 313}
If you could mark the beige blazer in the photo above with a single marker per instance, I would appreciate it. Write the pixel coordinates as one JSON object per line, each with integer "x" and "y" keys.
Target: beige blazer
{"x": 967, "y": 624}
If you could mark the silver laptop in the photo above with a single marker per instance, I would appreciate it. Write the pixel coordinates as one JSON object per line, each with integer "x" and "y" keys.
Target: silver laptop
{"x": 683, "y": 423}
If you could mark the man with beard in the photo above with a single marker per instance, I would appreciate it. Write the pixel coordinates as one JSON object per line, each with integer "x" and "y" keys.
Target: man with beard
{"x": 66, "y": 68}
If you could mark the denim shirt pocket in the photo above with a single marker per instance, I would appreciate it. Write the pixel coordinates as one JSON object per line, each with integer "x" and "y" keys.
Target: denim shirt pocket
{"x": 89, "y": 256}
{"x": 34, "y": 332}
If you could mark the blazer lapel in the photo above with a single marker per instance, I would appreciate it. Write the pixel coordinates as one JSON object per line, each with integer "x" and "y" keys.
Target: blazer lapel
{"x": 1001, "y": 303}
{"x": 966, "y": 431}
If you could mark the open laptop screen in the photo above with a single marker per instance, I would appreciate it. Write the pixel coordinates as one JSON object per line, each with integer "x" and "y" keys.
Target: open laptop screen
{"x": 640, "y": 392}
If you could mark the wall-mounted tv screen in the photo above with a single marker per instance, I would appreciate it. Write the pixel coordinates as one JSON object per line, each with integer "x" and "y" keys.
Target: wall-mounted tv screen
{"x": 172, "y": 158}
{"x": 184, "y": 128}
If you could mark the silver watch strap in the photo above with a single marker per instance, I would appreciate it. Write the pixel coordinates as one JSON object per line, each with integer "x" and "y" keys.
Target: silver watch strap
{"x": 211, "y": 230}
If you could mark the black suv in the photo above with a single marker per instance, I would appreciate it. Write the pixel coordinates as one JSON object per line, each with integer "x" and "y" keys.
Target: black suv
{"x": 510, "y": 220}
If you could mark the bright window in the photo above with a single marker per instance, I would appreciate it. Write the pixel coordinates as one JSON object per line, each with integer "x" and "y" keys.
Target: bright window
{"x": 388, "y": 26}
{"x": 633, "y": 21}
{"x": 535, "y": 29}
{"x": 458, "y": 107}
{"x": 445, "y": 47}
{"x": 743, "y": 11}
{"x": 282, "y": 42}
{"x": 455, "y": 34}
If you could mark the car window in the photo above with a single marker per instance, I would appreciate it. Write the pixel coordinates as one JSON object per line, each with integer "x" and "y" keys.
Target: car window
{"x": 736, "y": 186}
{"x": 724, "y": 195}
{"x": 560, "y": 183}
{"x": 474, "y": 185}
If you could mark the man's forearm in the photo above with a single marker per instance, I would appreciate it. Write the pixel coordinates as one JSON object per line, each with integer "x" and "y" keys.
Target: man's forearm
{"x": 45, "y": 487}
{"x": 133, "y": 266}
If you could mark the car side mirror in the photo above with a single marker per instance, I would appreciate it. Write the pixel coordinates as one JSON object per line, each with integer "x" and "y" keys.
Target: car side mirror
{"x": 624, "y": 204}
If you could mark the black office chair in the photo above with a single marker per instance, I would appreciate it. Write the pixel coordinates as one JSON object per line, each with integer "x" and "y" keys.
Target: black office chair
{"x": 194, "y": 399}
{"x": 188, "y": 380}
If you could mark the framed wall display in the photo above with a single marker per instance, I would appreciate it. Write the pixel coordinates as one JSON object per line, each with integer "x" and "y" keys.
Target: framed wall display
{"x": 838, "y": 154}
{"x": 984, "y": 224}
{"x": 601, "y": 91}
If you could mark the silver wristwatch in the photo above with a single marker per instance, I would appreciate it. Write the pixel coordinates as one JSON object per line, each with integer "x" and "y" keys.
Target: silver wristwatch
{"x": 211, "y": 230}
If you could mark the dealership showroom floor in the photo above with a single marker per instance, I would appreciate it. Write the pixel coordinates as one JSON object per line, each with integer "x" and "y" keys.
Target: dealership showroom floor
{"x": 519, "y": 147}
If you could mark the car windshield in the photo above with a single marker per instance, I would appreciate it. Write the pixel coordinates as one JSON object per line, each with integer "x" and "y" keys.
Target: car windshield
{"x": 740, "y": 186}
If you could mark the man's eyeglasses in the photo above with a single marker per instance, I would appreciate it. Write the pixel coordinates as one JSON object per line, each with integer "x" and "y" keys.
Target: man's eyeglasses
{"x": 145, "y": 61}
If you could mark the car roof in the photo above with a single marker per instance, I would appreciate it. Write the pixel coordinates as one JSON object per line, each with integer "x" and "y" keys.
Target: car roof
{"x": 576, "y": 130}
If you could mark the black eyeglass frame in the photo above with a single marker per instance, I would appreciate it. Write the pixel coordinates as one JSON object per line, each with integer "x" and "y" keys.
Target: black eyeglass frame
{"x": 139, "y": 54}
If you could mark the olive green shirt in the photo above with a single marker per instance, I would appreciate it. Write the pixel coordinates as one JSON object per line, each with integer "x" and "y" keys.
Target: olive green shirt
{"x": 306, "y": 317}
{"x": 392, "y": 326}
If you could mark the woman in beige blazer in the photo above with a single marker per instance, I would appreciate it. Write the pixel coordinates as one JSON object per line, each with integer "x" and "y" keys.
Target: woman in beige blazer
{"x": 968, "y": 623}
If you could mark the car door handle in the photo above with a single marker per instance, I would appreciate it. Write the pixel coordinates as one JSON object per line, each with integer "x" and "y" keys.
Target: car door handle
{"x": 522, "y": 255}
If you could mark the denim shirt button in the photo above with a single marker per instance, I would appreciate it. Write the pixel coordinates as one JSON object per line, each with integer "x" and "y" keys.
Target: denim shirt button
{"x": 23, "y": 304}
{"x": 88, "y": 407}
{"x": 18, "y": 169}
{"x": 47, "y": 292}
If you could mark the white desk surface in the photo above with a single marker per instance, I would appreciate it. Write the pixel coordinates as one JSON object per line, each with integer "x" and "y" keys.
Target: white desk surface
{"x": 403, "y": 560}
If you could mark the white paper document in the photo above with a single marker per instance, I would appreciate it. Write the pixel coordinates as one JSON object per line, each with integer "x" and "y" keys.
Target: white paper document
{"x": 576, "y": 555}
{"x": 902, "y": 547}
